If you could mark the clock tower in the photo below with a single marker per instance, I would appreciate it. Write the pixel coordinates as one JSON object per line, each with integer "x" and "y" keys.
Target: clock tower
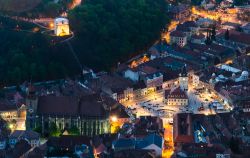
{"x": 183, "y": 78}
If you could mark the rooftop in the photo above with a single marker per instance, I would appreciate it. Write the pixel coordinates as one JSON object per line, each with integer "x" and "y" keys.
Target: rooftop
{"x": 177, "y": 94}
{"x": 86, "y": 106}
{"x": 236, "y": 36}
{"x": 198, "y": 36}
{"x": 177, "y": 34}
{"x": 24, "y": 134}
{"x": 68, "y": 141}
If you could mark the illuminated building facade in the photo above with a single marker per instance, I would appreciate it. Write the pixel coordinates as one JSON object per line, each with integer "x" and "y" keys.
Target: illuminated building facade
{"x": 176, "y": 98}
{"x": 87, "y": 113}
{"x": 183, "y": 79}
{"x": 61, "y": 27}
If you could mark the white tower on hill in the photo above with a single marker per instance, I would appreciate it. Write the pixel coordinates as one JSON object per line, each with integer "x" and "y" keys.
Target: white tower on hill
{"x": 61, "y": 27}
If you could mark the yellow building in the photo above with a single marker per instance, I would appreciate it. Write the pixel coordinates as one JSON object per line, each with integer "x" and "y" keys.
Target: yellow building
{"x": 61, "y": 27}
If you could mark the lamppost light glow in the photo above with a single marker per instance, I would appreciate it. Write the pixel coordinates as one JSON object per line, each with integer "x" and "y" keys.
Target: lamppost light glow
{"x": 11, "y": 126}
{"x": 113, "y": 118}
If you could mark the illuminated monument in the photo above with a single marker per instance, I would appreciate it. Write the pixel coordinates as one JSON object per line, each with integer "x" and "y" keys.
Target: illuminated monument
{"x": 61, "y": 27}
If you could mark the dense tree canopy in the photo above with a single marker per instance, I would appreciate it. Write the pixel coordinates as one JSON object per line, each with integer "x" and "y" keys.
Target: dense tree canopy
{"x": 106, "y": 31}
{"x": 34, "y": 8}
{"x": 112, "y": 30}
{"x": 26, "y": 55}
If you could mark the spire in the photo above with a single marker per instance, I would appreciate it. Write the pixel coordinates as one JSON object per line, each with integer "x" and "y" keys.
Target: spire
{"x": 184, "y": 71}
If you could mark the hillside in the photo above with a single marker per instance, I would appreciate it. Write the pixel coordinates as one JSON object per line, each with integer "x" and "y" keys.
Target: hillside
{"x": 106, "y": 32}
{"x": 18, "y": 5}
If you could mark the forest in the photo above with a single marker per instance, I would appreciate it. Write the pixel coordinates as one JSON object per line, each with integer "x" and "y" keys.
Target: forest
{"x": 106, "y": 32}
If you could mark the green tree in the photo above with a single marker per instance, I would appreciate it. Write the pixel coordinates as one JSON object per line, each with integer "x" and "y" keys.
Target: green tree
{"x": 54, "y": 130}
{"x": 74, "y": 131}
{"x": 38, "y": 129}
{"x": 5, "y": 130}
{"x": 113, "y": 31}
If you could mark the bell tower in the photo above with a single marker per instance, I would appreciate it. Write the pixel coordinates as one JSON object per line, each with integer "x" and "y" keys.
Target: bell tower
{"x": 183, "y": 78}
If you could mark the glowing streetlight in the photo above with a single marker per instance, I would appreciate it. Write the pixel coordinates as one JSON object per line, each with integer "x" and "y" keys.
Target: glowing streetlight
{"x": 114, "y": 119}
{"x": 51, "y": 25}
{"x": 11, "y": 126}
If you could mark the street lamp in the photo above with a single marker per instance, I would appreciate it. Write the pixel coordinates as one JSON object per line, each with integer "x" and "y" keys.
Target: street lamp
{"x": 11, "y": 126}
{"x": 114, "y": 119}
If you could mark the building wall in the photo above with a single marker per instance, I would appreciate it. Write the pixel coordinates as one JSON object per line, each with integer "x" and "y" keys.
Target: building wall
{"x": 183, "y": 81}
{"x": 196, "y": 80}
{"x": 181, "y": 14}
{"x": 128, "y": 93}
{"x": 155, "y": 82}
{"x": 181, "y": 41}
{"x": 139, "y": 92}
{"x": 134, "y": 76}
{"x": 231, "y": 44}
{"x": 177, "y": 102}
{"x": 62, "y": 29}
{"x": 169, "y": 84}
{"x": 9, "y": 115}
{"x": 86, "y": 126}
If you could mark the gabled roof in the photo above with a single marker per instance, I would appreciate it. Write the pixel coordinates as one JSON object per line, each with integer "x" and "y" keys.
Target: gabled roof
{"x": 177, "y": 34}
{"x": 24, "y": 134}
{"x": 20, "y": 148}
{"x": 199, "y": 36}
{"x": 58, "y": 105}
{"x": 184, "y": 139}
{"x": 236, "y": 36}
{"x": 183, "y": 28}
{"x": 139, "y": 143}
{"x": 124, "y": 143}
{"x": 148, "y": 140}
{"x": 67, "y": 141}
{"x": 7, "y": 106}
{"x": 190, "y": 24}
{"x": 116, "y": 83}
{"x": 90, "y": 105}
{"x": 177, "y": 94}
{"x": 178, "y": 9}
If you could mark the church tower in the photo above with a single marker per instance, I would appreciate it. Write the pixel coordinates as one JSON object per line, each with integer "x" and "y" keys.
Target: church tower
{"x": 183, "y": 78}
{"x": 31, "y": 104}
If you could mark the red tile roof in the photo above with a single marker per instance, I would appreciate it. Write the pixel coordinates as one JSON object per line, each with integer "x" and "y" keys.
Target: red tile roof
{"x": 177, "y": 94}
{"x": 177, "y": 34}
{"x": 148, "y": 69}
{"x": 184, "y": 139}
{"x": 199, "y": 36}
{"x": 90, "y": 105}
{"x": 236, "y": 36}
